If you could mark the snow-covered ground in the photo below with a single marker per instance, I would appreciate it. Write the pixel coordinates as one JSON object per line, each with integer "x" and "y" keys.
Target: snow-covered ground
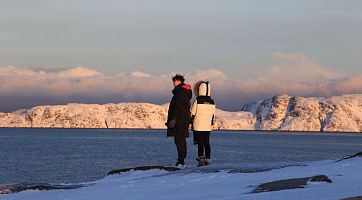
{"x": 346, "y": 179}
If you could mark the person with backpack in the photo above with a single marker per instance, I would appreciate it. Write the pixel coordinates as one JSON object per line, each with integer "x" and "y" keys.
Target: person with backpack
{"x": 179, "y": 116}
{"x": 202, "y": 120}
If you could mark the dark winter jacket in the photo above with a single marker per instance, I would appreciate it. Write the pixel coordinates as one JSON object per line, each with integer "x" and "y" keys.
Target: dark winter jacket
{"x": 179, "y": 111}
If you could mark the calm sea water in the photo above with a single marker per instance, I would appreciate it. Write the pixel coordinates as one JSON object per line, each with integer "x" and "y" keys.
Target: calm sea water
{"x": 79, "y": 155}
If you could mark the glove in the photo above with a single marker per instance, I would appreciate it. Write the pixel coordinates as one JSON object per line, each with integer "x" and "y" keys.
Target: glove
{"x": 171, "y": 123}
{"x": 213, "y": 120}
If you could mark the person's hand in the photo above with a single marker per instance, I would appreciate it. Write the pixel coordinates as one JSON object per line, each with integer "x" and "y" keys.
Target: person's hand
{"x": 171, "y": 123}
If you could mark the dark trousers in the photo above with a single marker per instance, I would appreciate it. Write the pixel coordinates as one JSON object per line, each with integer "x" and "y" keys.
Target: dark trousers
{"x": 203, "y": 141}
{"x": 181, "y": 145}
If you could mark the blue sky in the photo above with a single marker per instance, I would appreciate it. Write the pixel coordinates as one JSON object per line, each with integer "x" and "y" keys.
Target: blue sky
{"x": 244, "y": 40}
{"x": 164, "y": 36}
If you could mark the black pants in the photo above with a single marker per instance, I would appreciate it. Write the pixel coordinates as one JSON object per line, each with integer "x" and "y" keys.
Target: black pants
{"x": 181, "y": 145}
{"x": 203, "y": 141}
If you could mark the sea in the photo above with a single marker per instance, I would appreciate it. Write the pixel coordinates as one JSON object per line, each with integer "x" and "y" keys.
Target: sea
{"x": 85, "y": 155}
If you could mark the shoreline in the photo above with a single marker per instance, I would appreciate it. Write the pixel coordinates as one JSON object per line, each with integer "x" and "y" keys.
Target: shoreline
{"x": 158, "y": 129}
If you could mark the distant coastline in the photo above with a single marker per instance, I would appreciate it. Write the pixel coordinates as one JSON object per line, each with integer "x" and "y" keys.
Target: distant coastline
{"x": 214, "y": 131}
{"x": 280, "y": 113}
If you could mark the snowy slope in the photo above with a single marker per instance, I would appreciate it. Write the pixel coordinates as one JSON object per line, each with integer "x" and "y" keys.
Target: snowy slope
{"x": 234, "y": 120}
{"x": 157, "y": 184}
{"x": 283, "y": 112}
{"x": 122, "y": 115}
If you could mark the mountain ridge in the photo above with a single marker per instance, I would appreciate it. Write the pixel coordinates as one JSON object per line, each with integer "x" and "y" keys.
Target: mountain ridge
{"x": 277, "y": 113}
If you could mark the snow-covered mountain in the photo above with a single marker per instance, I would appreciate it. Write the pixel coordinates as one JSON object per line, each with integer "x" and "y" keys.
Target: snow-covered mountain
{"x": 341, "y": 113}
{"x": 334, "y": 114}
{"x": 122, "y": 115}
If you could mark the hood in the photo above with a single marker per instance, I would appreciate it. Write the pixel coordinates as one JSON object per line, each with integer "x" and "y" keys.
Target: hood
{"x": 186, "y": 86}
{"x": 203, "y": 88}
{"x": 183, "y": 88}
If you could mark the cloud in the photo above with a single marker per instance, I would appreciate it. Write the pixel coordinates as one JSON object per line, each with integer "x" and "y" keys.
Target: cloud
{"x": 140, "y": 74}
{"x": 209, "y": 74}
{"x": 296, "y": 66}
{"x": 298, "y": 75}
{"x": 293, "y": 74}
{"x": 77, "y": 84}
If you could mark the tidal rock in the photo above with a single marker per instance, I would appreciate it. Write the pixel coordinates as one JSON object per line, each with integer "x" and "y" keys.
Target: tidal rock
{"x": 353, "y": 198}
{"x": 290, "y": 184}
{"x": 349, "y": 157}
{"x": 7, "y": 189}
{"x": 143, "y": 168}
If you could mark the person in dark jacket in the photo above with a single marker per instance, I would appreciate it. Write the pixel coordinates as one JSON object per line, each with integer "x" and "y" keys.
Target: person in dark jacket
{"x": 179, "y": 116}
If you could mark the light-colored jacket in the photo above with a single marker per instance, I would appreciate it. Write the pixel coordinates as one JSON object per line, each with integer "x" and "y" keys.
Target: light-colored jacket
{"x": 203, "y": 109}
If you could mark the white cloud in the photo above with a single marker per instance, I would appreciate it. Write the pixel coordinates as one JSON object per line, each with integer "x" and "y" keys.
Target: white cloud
{"x": 208, "y": 74}
{"x": 80, "y": 72}
{"x": 293, "y": 74}
{"x": 140, "y": 74}
{"x": 297, "y": 67}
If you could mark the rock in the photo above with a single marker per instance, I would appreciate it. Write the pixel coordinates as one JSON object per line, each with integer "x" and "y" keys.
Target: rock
{"x": 251, "y": 106}
{"x": 143, "y": 168}
{"x": 7, "y": 189}
{"x": 273, "y": 117}
{"x": 349, "y": 157}
{"x": 302, "y": 115}
{"x": 353, "y": 198}
{"x": 290, "y": 184}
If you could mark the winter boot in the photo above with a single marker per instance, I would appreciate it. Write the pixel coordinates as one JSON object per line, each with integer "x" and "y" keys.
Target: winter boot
{"x": 180, "y": 163}
{"x": 201, "y": 161}
{"x": 207, "y": 161}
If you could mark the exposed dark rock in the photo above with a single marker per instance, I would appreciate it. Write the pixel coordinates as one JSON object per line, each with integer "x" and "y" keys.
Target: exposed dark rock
{"x": 7, "y": 189}
{"x": 353, "y": 198}
{"x": 290, "y": 184}
{"x": 320, "y": 178}
{"x": 144, "y": 168}
{"x": 352, "y": 156}
{"x": 256, "y": 169}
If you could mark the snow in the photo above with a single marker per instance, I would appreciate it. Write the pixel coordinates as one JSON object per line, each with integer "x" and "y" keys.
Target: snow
{"x": 122, "y": 115}
{"x": 234, "y": 120}
{"x": 181, "y": 185}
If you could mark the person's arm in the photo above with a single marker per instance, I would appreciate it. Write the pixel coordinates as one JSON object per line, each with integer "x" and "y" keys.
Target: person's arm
{"x": 193, "y": 111}
{"x": 170, "y": 116}
{"x": 213, "y": 120}
{"x": 171, "y": 109}
{"x": 194, "y": 108}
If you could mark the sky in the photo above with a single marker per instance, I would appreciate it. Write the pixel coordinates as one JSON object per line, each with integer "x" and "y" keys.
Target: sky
{"x": 92, "y": 51}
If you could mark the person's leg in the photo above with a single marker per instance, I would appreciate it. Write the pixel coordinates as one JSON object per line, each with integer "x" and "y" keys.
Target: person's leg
{"x": 180, "y": 142}
{"x": 207, "y": 145}
{"x": 195, "y": 137}
{"x": 200, "y": 144}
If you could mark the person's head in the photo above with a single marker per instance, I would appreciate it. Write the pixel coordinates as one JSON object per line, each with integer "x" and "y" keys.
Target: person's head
{"x": 202, "y": 88}
{"x": 177, "y": 80}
